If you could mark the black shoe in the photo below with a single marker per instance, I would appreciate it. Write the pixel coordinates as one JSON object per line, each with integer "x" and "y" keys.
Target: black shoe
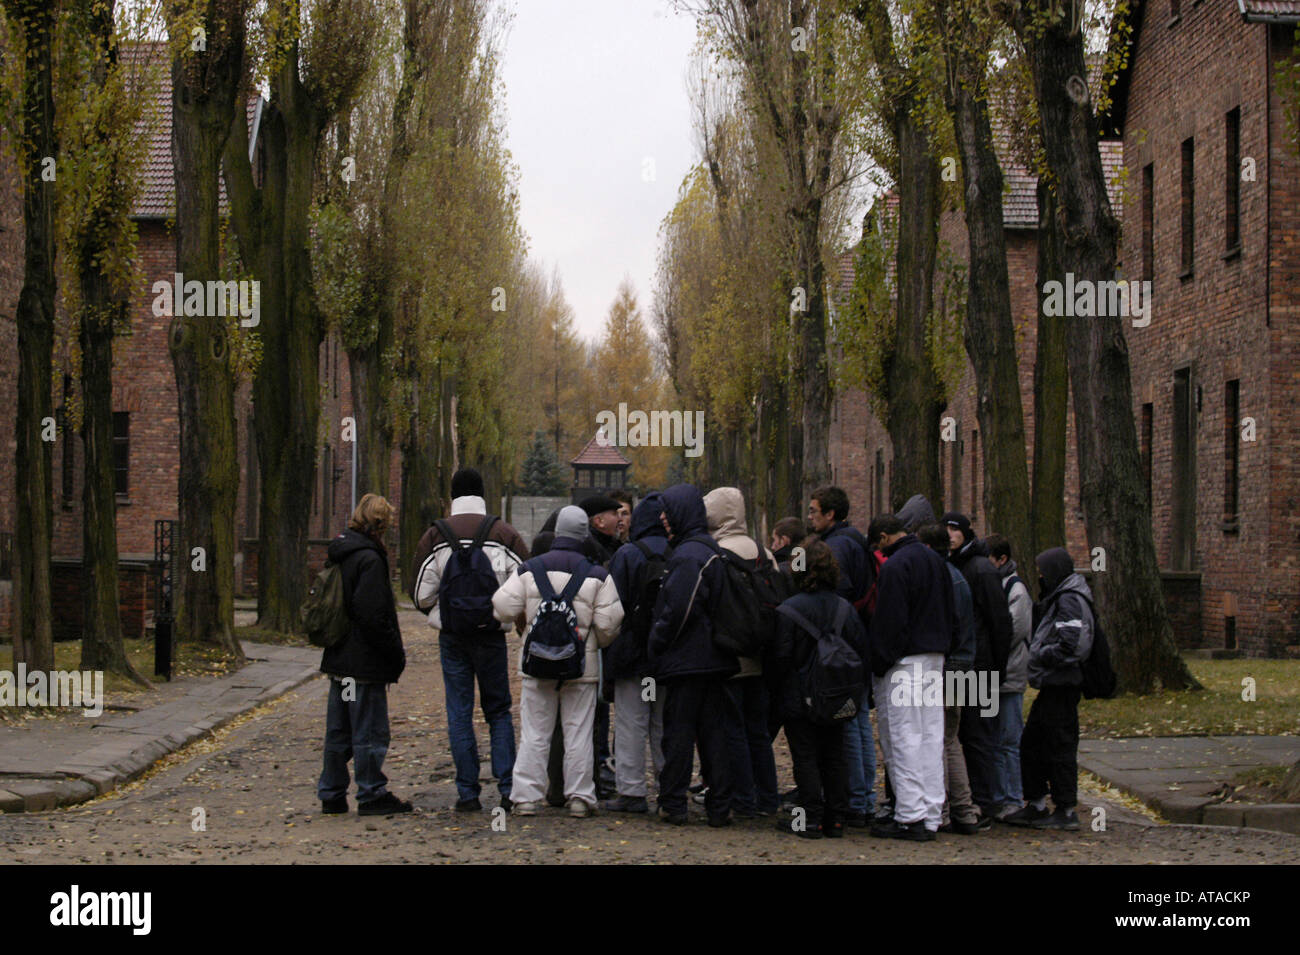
{"x": 790, "y": 799}
{"x": 910, "y": 831}
{"x": 672, "y": 818}
{"x": 982, "y": 824}
{"x": 719, "y": 821}
{"x": 1026, "y": 816}
{"x": 385, "y": 805}
{"x": 626, "y": 804}
{"x": 833, "y": 830}
{"x": 745, "y": 813}
{"x": 856, "y": 820}
{"x": 334, "y": 807}
{"x": 506, "y": 803}
{"x": 1063, "y": 819}
{"x": 469, "y": 805}
{"x": 807, "y": 832}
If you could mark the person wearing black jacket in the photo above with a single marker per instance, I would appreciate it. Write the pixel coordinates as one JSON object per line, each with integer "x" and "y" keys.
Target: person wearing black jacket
{"x": 360, "y": 667}
{"x": 913, "y": 627}
{"x": 979, "y": 733}
{"x": 683, "y": 656}
{"x": 817, "y": 750}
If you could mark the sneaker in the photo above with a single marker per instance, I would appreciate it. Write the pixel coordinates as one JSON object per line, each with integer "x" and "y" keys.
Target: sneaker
{"x": 385, "y": 805}
{"x": 982, "y": 824}
{"x": 578, "y": 809}
{"x": 834, "y": 830}
{"x": 910, "y": 831}
{"x": 334, "y": 807}
{"x": 524, "y": 809}
{"x": 626, "y": 804}
{"x": 469, "y": 805}
{"x": 1063, "y": 819}
{"x": 672, "y": 818}
{"x": 700, "y": 795}
{"x": 506, "y": 803}
{"x": 1026, "y": 816}
{"x": 1006, "y": 810}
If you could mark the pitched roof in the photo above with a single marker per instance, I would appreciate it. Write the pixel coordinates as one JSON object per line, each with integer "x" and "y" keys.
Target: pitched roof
{"x": 1270, "y": 11}
{"x": 157, "y": 199}
{"x": 600, "y": 450}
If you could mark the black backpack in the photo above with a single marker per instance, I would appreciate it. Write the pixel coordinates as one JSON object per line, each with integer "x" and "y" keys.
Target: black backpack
{"x": 628, "y": 651}
{"x": 833, "y": 680}
{"x": 1099, "y": 679}
{"x": 468, "y": 583}
{"x": 554, "y": 648}
{"x": 740, "y": 624}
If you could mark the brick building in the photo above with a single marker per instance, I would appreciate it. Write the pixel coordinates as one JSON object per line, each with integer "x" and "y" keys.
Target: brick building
{"x": 146, "y": 431}
{"x": 1211, "y": 213}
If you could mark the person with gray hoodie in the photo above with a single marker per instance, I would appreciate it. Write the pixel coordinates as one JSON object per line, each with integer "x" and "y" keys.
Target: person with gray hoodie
{"x": 1007, "y": 794}
{"x": 1049, "y": 748}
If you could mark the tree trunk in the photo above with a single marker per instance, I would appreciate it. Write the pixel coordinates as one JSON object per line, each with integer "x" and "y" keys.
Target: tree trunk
{"x": 989, "y": 332}
{"x": 33, "y": 470}
{"x": 915, "y": 394}
{"x": 101, "y": 637}
{"x": 1051, "y": 397}
{"x": 814, "y": 421}
{"x": 374, "y": 437}
{"x": 1129, "y": 595}
{"x": 204, "y": 85}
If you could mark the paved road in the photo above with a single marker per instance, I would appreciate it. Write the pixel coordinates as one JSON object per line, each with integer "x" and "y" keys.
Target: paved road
{"x": 255, "y": 786}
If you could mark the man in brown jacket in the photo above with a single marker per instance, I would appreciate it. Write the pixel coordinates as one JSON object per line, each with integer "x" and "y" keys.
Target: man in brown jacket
{"x": 468, "y": 656}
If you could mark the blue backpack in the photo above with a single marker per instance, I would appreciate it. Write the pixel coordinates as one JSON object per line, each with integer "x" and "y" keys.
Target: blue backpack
{"x": 554, "y": 648}
{"x": 468, "y": 583}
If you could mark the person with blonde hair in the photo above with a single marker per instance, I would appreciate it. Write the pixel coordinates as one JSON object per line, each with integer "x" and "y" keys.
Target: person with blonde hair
{"x": 361, "y": 666}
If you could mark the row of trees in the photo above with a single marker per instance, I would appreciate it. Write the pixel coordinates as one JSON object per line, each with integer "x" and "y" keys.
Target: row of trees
{"x": 378, "y": 204}
{"x": 798, "y": 104}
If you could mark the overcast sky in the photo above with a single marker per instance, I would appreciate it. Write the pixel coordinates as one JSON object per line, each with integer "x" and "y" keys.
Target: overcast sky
{"x": 594, "y": 89}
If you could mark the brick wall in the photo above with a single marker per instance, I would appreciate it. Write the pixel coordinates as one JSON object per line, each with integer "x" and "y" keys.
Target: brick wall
{"x": 135, "y": 601}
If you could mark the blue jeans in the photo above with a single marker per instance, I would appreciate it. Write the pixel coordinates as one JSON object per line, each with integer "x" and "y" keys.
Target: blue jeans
{"x": 749, "y": 746}
{"x": 355, "y": 729}
{"x": 860, "y": 763}
{"x": 1011, "y": 723}
{"x": 463, "y": 660}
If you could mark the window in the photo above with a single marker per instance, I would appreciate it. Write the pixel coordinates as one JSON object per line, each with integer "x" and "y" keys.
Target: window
{"x": 1188, "y": 207}
{"x": 1148, "y": 416}
{"x": 1231, "y": 450}
{"x": 1232, "y": 181}
{"x": 584, "y": 477}
{"x": 121, "y": 453}
{"x": 1148, "y": 223}
{"x": 1183, "y": 478}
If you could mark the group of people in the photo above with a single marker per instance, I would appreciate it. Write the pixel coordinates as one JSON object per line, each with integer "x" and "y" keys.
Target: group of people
{"x": 704, "y": 640}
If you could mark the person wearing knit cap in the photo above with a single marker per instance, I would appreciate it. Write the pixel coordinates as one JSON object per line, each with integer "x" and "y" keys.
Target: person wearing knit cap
{"x": 572, "y": 703}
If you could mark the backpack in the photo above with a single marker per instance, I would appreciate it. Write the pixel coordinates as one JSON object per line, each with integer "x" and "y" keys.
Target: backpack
{"x": 554, "y": 648}
{"x": 324, "y": 613}
{"x": 468, "y": 583}
{"x": 628, "y": 650}
{"x": 1099, "y": 679}
{"x": 833, "y": 680}
{"x": 741, "y": 623}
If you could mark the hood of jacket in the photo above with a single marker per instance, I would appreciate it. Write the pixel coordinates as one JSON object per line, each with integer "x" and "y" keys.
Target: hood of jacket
{"x": 1007, "y": 569}
{"x": 725, "y": 510}
{"x": 972, "y": 548}
{"x": 645, "y": 518}
{"x": 684, "y": 506}
{"x": 349, "y": 542}
{"x": 1055, "y": 566}
{"x": 915, "y": 512}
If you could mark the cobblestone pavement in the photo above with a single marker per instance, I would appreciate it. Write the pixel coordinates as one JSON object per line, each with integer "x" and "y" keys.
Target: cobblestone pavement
{"x": 252, "y": 785}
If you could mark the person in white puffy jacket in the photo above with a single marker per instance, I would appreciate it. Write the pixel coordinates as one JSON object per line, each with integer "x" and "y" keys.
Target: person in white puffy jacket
{"x": 542, "y": 702}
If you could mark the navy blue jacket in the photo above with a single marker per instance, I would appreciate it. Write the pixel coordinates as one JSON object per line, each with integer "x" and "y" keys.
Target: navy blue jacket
{"x": 793, "y": 646}
{"x": 372, "y": 650}
{"x": 623, "y": 659}
{"x": 681, "y": 637}
{"x": 961, "y": 655}
{"x": 915, "y": 611}
{"x": 851, "y": 553}
{"x": 993, "y": 626}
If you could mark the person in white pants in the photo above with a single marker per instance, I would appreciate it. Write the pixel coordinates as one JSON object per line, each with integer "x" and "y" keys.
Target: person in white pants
{"x": 541, "y": 702}
{"x": 637, "y": 718}
{"x": 911, "y": 736}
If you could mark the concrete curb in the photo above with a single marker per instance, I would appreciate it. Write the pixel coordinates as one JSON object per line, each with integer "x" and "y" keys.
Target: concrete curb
{"x": 128, "y": 748}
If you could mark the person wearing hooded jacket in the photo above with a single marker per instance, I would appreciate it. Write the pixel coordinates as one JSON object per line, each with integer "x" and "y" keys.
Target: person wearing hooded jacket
{"x": 753, "y": 766}
{"x": 1011, "y": 714}
{"x": 683, "y": 655}
{"x": 1049, "y": 748}
{"x": 361, "y": 666}
{"x": 993, "y": 632}
{"x": 573, "y": 703}
{"x": 636, "y": 719}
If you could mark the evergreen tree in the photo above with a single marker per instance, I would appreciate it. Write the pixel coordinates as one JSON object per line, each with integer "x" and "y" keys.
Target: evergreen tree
{"x": 541, "y": 470}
